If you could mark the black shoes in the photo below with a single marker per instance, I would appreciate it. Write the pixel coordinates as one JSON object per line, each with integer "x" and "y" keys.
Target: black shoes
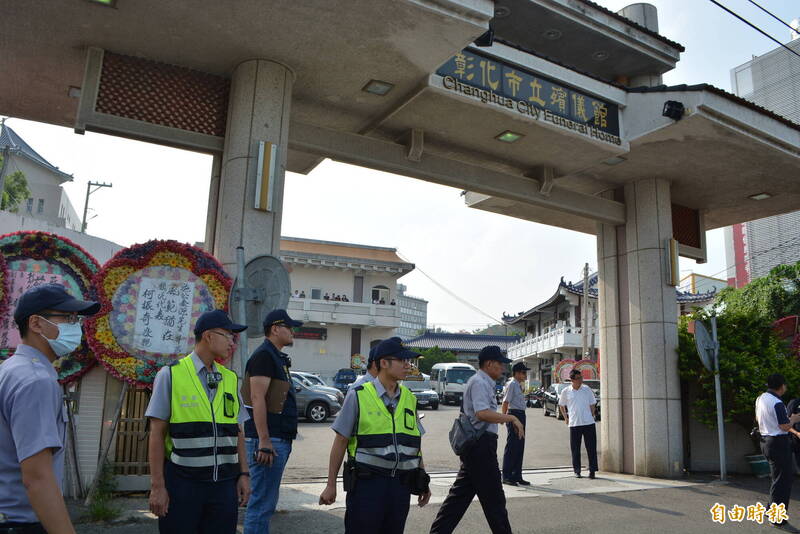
{"x": 509, "y": 482}
{"x": 785, "y": 526}
{"x": 578, "y": 475}
{"x": 591, "y": 475}
{"x": 523, "y": 482}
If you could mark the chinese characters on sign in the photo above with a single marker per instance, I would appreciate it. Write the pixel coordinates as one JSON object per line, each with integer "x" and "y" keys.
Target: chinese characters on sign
{"x": 530, "y": 94}
{"x": 20, "y": 282}
{"x": 163, "y": 314}
{"x": 757, "y": 513}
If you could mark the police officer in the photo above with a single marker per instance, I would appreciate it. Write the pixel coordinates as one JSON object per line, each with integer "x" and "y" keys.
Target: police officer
{"x": 379, "y": 429}
{"x": 514, "y": 404}
{"x": 269, "y": 435}
{"x": 774, "y": 425}
{"x": 198, "y": 471}
{"x": 32, "y": 413}
{"x": 480, "y": 473}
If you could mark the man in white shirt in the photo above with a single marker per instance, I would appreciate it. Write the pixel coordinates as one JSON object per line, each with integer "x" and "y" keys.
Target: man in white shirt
{"x": 774, "y": 425}
{"x": 577, "y": 404}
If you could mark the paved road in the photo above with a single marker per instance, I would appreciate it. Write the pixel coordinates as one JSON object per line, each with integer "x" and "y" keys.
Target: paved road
{"x": 547, "y": 444}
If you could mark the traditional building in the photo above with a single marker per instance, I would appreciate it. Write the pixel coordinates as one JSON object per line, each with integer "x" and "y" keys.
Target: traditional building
{"x": 554, "y": 328}
{"x": 346, "y": 295}
{"x": 465, "y": 346}
{"x": 48, "y": 201}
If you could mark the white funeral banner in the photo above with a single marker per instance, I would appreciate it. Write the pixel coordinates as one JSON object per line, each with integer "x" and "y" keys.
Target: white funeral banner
{"x": 163, "y": 314}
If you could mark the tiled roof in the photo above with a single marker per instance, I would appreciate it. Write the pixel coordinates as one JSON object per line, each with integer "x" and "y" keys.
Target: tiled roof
{"x": 17, "y": 145}
{"x": 683, "y": 297}
{"x": 633, "y": 24}
{"x": 460, "y": 342}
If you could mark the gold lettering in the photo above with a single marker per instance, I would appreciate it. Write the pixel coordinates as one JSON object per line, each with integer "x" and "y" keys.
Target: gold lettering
{"x": 463, "y": 64}
{"x": 536, "y": 89}
{"x": 514, "y": 80}
{"x": 558, "y": 96}
{"x": 600, "y": 114}
{"x": 579, "y": 103}
{"x": 486, "y": 74}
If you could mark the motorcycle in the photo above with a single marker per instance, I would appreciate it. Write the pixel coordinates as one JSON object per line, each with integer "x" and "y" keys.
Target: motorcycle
{"x": 535, "y": 398}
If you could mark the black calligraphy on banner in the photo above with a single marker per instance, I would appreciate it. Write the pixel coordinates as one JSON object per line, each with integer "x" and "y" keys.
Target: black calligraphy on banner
{"x": 163, "y": 315}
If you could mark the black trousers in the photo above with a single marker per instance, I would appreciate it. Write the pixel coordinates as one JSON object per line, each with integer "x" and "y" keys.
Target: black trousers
{"x": 22, "y": 528}
{"x": 515, "y": 448}
{"x": 479, "y": 474}
{"x": 778, "y": 452}
{"x": 589, "y": 435}
{"x": 199, "y": 507}
{"x": 377, "y": 505}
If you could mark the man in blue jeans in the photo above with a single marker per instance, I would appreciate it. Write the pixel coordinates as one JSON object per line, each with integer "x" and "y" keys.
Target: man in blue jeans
{"x": 268, "y": 434}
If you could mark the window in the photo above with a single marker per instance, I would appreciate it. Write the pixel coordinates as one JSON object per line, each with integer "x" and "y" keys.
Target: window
{"x": 435, "y": 374}
{"x": 380, "y": 293}
{"x": 316, "y": 293}
{"x": 40, "y": 206}
{"x": 30, "y": 205}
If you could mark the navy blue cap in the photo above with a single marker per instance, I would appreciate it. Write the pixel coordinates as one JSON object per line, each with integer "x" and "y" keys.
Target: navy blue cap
{"x": 52, "y": 297}
{"x": 520, "y": 367}
{"x": 280, "y": 317}
{"x": 492, "y": 352}
{"x": 216, "y": 319}
{"x": 393, "y": 347}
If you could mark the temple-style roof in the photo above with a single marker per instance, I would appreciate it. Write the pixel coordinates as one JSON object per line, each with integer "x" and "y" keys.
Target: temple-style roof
{"x": 683, "y": 297}
{"x": 18, "y": 147}
{"x": 460, "y": 343}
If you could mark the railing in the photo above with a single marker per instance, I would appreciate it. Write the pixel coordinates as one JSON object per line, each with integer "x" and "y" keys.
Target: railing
{"x": 566, "y": 336}
{"x": 346, "y": 312}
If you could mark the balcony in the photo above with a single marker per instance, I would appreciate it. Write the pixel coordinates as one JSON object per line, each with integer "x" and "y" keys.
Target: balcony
{"x": 350, "y": 313}
{"x": 556, "y": 339}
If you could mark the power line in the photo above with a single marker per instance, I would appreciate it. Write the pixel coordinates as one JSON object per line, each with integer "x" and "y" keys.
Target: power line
{"x": 451, "y": 293}
{"x": 765, "y": 10}
{"x": 759, "y": 30}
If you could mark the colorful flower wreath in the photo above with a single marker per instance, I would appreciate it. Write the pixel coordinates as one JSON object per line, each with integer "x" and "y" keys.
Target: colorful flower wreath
{"x": 151, "y": 295}
{"x": 4, "y": 287}
{"x": 33, "y": 258}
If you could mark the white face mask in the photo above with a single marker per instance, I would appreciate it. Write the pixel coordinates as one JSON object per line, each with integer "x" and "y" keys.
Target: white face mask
{"x": 69, "y": 337}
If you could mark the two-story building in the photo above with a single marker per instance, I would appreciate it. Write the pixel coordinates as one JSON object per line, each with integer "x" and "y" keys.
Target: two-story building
{"x": 346, "y": 295}
{"x": 554, "y": 328}
{"x": 48, "y": 201}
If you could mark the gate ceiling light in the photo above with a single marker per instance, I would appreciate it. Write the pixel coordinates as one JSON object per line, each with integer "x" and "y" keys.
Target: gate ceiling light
{"x": 501, "y": 12}
{"x": 616, "y": 160}
{"x": 600, "y": 55}
{"x": 760, "y": 196}
{"x": 552, "y": 34}
{"x": 107, "y": 3}
{"x": 378, "y": 87}
{"x": 509, "y": 137}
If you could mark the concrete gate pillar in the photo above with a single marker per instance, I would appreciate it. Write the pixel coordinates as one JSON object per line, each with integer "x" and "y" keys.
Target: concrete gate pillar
{"x": 641, "y": 425}
{"x": 258, "y": 110}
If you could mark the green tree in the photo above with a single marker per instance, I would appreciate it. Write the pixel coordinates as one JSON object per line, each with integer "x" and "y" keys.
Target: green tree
{"x": 433, "y": 356}
{"x": 15, "y": 191}
{"x": 770, "y": 297}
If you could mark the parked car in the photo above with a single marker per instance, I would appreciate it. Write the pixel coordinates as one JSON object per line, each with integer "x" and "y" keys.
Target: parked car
{"x": 313, "y": 404}
{"x": 535, "y": 398}
{"x": 595, "y": 387}
{"x": 308, "y": 380}
{"x": 421, "y": 388}
{"x": 550, "y": 399}
{"x": 343, "y": 379}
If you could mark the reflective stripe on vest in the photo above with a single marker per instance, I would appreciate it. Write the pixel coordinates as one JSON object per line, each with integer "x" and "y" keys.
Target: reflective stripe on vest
{"x": 203, "y": 443}
{"x": 385, "y": 442}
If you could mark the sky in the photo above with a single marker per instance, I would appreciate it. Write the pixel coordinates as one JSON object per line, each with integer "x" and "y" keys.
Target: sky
{"x": 497, "y": 263}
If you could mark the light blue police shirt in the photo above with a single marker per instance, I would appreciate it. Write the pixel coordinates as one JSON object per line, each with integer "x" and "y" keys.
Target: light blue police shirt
{"x": 479, "y": 395}
{"x": 32, "y": 419}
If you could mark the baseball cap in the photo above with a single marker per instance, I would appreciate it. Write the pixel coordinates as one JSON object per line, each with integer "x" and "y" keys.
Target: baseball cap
{"x": 492, "y": 352}
{"x": 52, "y": 297}
{"x": 216, "y": 319}
{"x": 280, "y": 317}
{"x": 393, "y": 347}
{"x": 519, "y": 367}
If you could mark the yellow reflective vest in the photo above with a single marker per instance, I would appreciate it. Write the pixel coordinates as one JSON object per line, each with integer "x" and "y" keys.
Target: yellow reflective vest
{"x": 203, "y": 436}
{"x": 385, "y": 442}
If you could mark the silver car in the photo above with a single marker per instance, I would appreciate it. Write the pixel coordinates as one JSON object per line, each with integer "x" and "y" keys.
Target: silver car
{"x": 315, "y": 382}
{"x": 313, "y": 404}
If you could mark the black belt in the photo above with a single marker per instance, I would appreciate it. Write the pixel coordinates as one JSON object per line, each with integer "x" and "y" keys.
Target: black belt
{"x": 22, "y": 528}
{"x": 764, "y": 438}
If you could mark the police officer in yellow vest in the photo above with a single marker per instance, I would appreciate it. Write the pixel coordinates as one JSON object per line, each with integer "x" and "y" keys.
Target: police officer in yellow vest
{"x": 379, "y": 430}
{"x": 198, "y": 469}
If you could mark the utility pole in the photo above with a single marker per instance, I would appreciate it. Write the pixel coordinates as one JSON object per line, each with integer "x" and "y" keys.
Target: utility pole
{"x": 585, "y": 313}
{"x": 89, "y": 191}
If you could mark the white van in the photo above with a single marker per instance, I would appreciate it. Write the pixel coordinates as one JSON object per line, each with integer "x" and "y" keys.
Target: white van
{"x": 448, "y": 381}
